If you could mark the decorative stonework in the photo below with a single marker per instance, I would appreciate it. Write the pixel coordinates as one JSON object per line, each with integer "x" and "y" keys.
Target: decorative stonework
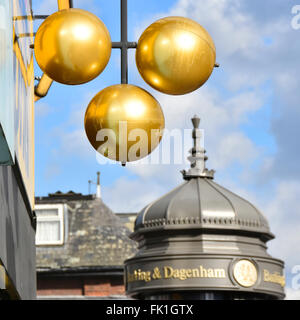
{"x": 245, "y": 273}
{"x": 226, "y": 222}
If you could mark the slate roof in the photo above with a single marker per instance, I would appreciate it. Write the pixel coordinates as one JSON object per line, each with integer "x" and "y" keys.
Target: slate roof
{"x": 96, "y": 238}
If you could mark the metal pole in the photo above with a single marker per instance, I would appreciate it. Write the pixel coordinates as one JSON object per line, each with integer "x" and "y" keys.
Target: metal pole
{"x": 124, "y": 55}
{"x": 89, "y": 182}
{"x": 123, "y": 44}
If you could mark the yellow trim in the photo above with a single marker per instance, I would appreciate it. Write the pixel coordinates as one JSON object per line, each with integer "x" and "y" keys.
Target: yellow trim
{"x": 2, "y": 277}
{"x": 43, "y": 87}
{"x": 45, "y": 83}
{"x": 6, "y": 284}
{"x": 17, "y": 18}
{"x": 27, "y": 71}
{"x": 63, "y": 4}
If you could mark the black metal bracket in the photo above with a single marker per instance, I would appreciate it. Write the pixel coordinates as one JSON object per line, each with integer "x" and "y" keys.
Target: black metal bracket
{"x": 124, "y": 44}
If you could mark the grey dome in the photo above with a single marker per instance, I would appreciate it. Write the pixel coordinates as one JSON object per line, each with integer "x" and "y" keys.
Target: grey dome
{"x": 200, "y": 203}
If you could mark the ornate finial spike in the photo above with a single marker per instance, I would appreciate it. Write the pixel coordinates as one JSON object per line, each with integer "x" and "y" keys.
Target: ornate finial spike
{"x": 197, "y": 156}
{"x": 98, "y": 192}
{"x": 196, "y": 121}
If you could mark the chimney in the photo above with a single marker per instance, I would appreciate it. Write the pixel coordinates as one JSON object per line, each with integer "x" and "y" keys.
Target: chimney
{"x": 98, "y": 191}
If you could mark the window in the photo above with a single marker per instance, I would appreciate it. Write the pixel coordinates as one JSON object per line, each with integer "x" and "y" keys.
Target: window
{"x": 50, "y": 224}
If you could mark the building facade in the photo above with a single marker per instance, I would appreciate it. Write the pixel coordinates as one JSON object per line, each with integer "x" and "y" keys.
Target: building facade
{"x": 202, "y": 241}
{"x": 17, "y": 219}
{"x": 81, "y": 247}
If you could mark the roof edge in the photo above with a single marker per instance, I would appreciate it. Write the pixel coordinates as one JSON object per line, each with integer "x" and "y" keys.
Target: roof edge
{"x": 75, "y": 271}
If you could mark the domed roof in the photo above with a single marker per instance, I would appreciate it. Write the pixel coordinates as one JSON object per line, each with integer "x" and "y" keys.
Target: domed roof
{"x": 195, "y": 229}
{"x": 200, "y": 203}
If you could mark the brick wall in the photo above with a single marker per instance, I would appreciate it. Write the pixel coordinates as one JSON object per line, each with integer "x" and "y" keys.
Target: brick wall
{"x": 80, "y": 286}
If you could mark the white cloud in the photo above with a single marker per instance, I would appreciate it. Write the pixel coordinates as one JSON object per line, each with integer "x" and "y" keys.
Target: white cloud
{"x": 292, "y": 294}
{"x": 234, "y": 148}
{"x": 45, "y": 6}
{"x": 283, "y": 213}
{"x": 42, "y": 109}
{"x": 127, "y": 195}
{"x": 75, "y": 143}
{"x": 220, "y": 118}
{"x": 50, "y": 6}
{"x": 233, "y": 30}
{"x": 52, "y": 171}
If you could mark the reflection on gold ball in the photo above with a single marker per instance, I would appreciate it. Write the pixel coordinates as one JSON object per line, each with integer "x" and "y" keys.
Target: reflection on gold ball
{"x": 133, "y": 120}
{"x": 72, "y": 46}
{"x": 175, "y": 55}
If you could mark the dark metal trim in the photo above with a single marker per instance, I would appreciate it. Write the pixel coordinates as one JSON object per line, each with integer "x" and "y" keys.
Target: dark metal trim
{"x": 140, "y": 294}
{"x": 26, "y": 35}
{"x": 40, "y": 17}
{"x": 124, "y": 44}
{"x": 9, "y": 291}
{"x": 208, "y": 227}
{"x": 66, "y": 274}
{"x": 128, "y": 45}
{"x": 20, "y": 182}
{"x": 124, "y": 53}
{"x": 82, "y": 271}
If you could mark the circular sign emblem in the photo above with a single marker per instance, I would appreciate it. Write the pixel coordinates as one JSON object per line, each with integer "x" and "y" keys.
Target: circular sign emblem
{"x": 245, "y": 273}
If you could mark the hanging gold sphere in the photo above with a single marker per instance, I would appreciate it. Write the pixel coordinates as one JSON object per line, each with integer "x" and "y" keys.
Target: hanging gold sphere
{"x": 72, "y": 46}
{"x": 175, "y": 55}
{"x": 124, "y": 122}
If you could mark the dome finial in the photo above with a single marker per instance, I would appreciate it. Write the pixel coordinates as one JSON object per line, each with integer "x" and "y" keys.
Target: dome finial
{"x": 196, "y": 121}
{"x": 197, "y": 157}
{"x": 98, "y": 192}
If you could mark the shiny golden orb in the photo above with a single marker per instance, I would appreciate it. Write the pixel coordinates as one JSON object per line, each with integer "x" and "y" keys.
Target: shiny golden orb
{"x": 124, "y": 122}
{"x": 175, "y": 55}
{"x": 72, "y": 46}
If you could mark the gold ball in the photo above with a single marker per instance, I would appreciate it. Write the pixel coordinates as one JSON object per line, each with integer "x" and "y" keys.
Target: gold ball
{"x": 175, "y": 55}
{"x": 72, "y": 46}
{"x": 124, "y": 122}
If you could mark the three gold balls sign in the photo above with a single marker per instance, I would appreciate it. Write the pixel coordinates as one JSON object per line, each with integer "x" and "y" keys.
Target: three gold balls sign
{"x": 72, "y": 46}
{"x": 174, "y": 55}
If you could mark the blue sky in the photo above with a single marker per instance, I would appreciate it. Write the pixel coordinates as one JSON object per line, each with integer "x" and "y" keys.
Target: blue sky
{"x": 249, "y": 109}
{"x": 56, "y": 113}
